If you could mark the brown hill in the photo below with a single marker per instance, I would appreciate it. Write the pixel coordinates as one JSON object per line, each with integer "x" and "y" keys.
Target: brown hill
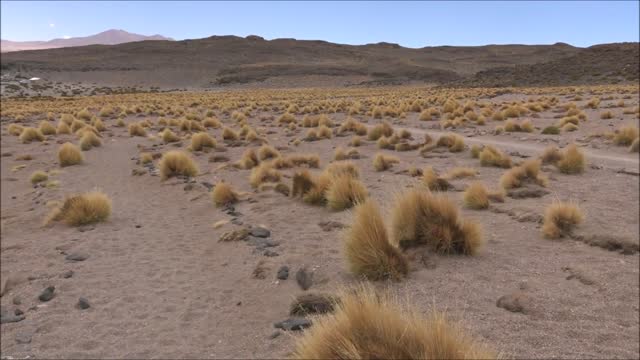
{"x": 223, "y": 60}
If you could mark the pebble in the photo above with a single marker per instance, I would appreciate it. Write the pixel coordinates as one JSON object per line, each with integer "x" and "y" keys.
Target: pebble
{"x": 67, "y": 274}
{"x": 17, "y": 300}
{"x": 293, "y": 324}
{"x": 83, "y": 303}
{"x": 275, "y": 334}
{"x": 304, "y": 278}
{"x": 270, "y": 253}
{"x": 77, "y": 257}
{"x": 23, "y": 338}
{"x": 47, "y": 294}
{"x": 7, "y": 317}
{"x": 260, "y": 232}
{"x": 283, "y": 272}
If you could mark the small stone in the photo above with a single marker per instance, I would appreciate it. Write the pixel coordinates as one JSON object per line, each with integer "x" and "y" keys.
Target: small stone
{"x": 239, "y": 303}
{"x": 304, "y": 278}
{"x": 84, "y": 228}
{"x": 83, "y": 303}
{"x": 138, "y": 226}
{"x": 516, "y": 302}
{"x": 77, "y": 257}
{"x": 188, "y": 187}
{"x": 293, "y": 324}
{"x": 18, "y": 312}
{"x": 67, "y": 274}
{"x": 23, "y": 338}
{"x": 270, "y": 253}
{"x": 330, "y": 225}
{"x": 47, "y": 294}
{"x": 17, "y": 300}
{"x": 275, "y": 334}
{"x": 6, "y": 317}
{"x": 260, "y": 232}
{"x": 283, "y": 272}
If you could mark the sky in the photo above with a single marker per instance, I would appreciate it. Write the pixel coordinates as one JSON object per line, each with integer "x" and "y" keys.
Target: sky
{"x": 410, "y": 24}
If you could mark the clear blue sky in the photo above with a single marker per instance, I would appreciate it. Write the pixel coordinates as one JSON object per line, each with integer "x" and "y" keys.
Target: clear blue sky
{"x": 412, "y": 24}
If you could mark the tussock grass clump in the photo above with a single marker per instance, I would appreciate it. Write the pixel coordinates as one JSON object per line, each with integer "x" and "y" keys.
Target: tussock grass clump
{"x": 560, "y": 218}
{"x": 344, "y": 192}
{"x": 384, "y": 143}
{"x": 527, "y": 172}
{"x": 324, "y": 132}
{"x": 382, "y": 129}
{"x": 551, "y": 130}
{"x": 569, "y": 120}
{"x": 30, "y": 134}
{"x": 229, "y": 134}
{"x": 570, "y": 127}
{"x": 368, "y": 250}
{"x": 38, "y": 177}
{"x": 88, "y": 140}
{"x": 476, "y": 196}
{"x": 211, "y": 123}
{"x": 223, "y": 194}
{"x": 635, "y": 145}
{"x": 370, "y": 325}
{"x": 422, "y": 218}
{"x": 352, "y": 125}
{"x": 461, "y": 172}
{"x": 343, "y": 167}
{"x": 573, "y": 160}
{"x": 267, "y": 152}
{"x": 310, "y": 160}
{"x": 63, "y": 128}
{"x": 355, "y": 141}
{"x": 249, "y": 159}
{"x": 87, "y": 208}
{"x": 606, "y": 115}
{"x": 475, "y": 151}
{"x": 492, "y": 156}
{"x": 69, "y": 154}
{"x": 15, "y": 129}
{"x": 136, "y": 129}
{"x": 433, "y": 181}
{"x": 453, "y": 141}
{"x": 383, "y": 162}
{"x": 286, "y": 118}
{"x": 340, "y": 154}
{"x": 46, "y": 128}
{"x": 202, "y": 140}
{"x": 625, "y": 135}
{"x": 175, "y": 163}
{"x": 264, "y": 172}
{"x": 312, "y": 135}
{"x": 551, "y": 155}
{"x": 169, "y": 136}
{"x": 146, "y": 158}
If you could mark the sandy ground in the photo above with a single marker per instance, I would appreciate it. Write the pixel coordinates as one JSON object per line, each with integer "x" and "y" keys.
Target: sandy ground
{"x": 160, "y": 284}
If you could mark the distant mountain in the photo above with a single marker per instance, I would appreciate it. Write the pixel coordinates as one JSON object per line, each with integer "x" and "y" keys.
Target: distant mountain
{"x": 109, "y": 37}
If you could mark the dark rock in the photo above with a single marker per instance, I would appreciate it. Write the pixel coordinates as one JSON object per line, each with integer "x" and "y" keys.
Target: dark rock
{"x": 262, "y": 243}
{"x": 6, "y": 317}
{"x": 23, "y": 338}
{"x": 47, "y": 294}
{"x": 138, "y": 226}
{"x": 67, "y": 274}
{"x": 83, "y": 303}
{"x": 527, "y": 192}
{"x": 18, "y": 312}
{"x": 188, "y": 187}
{"x": 516, "y": 302}
{"x": 77, "y": 257}
{"x": 311, "y": 304}
{"x": 260, "y": 232}
{"x": 239, "y": 303}
{"x": 293, "y": 324}
{"x": 275, "y": 334}
{"x": 283, "y": 272}
{"x": 304, "y": 278}
{"x": 236, "y": 221}
{"x": 208, "y": 185}
{"x": 270, "y": 253}
{"x": 17, "y": 300}
{"x": 330, "y": 225}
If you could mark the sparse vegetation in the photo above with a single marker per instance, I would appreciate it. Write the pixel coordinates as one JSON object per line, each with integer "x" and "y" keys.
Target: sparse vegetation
{"x": 177, "y": 163}
{"x": 69, "y": 154}
{"x": 87, "y": 208}
{"x": 560, "y": 218}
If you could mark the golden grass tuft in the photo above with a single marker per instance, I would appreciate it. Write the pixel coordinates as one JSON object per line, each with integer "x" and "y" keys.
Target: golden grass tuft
{"x": 383, "y": 162}
{"x": 146, "y": 158}
{"x": 249, "y": 159}
{"x": 344, "y": 192}
{"x": 343, "y": 167}
{"x": 46, "y": 128}
{"x": 461, "y": 172}
{"x": 169, "y": 136}
{"x": 382, "y": 129}
{"x": 527, "y": 172}
{"x": 229, "y": 134}
{"x": 175, "y": 163}
{"x": 38, "y": 176}
{"x": 69, "y": 154}
{"x": 63, "y": 128}
{"x": 453, "y": 141}
{"x": 625, "y": 135}
{"x": 368, "y": 251}
{"x": 573, "y": 160}
{"x": 635, "y": 145}
{"x": 491, "y": 156}
{"x": 264, "y": 172}
{"x": 30, "y": 134}
{"x": 560, "y": 218}
{"x": 433, "y": 181}
{"x": 88, "y": 140}
{"x": 355, "y": 141}
{"x": 551, "y": 155}
{"x": 366, "y": 324}
{"x": 87, "y": 208}
{"x": 223, "y": 194}
{"x": 15, "y": 129}
{"x": 476, "y": 196}
{"x": 422, "y": 218}
{"x": 266, "y": 152}
{"x": 136, "y": 129}
{"x": 202, "y": 140}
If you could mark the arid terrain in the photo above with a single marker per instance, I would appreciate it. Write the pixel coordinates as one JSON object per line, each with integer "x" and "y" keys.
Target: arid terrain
{"x": 189, "y": 260}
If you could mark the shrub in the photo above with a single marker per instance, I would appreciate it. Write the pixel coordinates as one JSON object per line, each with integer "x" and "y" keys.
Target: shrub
{"x": 383, "y": 143}
{"x": 211, "y": 123}
{"x": 382, "y": 162}
{"x": 46, "y": 128}
{"x": 174, "y": 163}
{"x": 222, "y": 194}
{"x": 367, "y": 248}
{"x": 573, "y": 161}
{"x": 267, "y": 152}
{"x": 38, "y": 176}
{"x": 202, "y": 140}
{"x": 69, "y": 154}
{"x": 63, "y": 128}
{"x": 433, "y": 181}
{"x": 312, "y": 161}
{"x": 15, "y": 129}
{"x": 87, "y": 208}
{"x": 475, "y": 151}
{"x": 30, "y": 134}
{"x": 491, "y": 156}
{"x": 551, "y": 155}
{"x": 551, "y": 130}
{"x": 527, "y": 172}
{"x": 606, "y": 115}
{"x": 343, "y": 167}
{"x": 249, "y": 159}
{"x": 570, "y": 127}
{"x": 560, "y": 218}
{"x": 476, "y": 196}
{"x": 136, "y": 129}
{"x": 324, "y": 132}
{"x": 370, "y": 325}
{"x": 382, "y": 129}
{"x": 421, "y": 218}
{"x": 461, "y": 172}
{"x": 263, "y": 173}
{"x": 454, "y": 142}
{"x": 355, "y": 141}
{"x": 88, "y": 140}
{"x": 229, "y": 134}
{"x": 625, "y": 135}
{"x": 286, "y": 118}
{"x": 344, "y": 192}
{"x": 146, "y": 158}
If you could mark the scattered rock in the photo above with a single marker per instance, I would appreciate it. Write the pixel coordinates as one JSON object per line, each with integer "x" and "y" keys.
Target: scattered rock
{"x": 518, "y": 154}
{"x": 579, "y": 275}
{"x": 67, "y": 274}
{"x": 293, "y": 324}
{"x": 17, "y": 300}
{"x": 596, "y": 167}
{"x": 331, "y": 225}
{"x": 138, "y": 172}
{"x": 312, "y": 304}
{"x": 260, "y": 232}
{"x": 236, "y": 221}
{"x": 262, "y": 243}
{"x": 624, "y": 245}
{"x": 23, "y": 338}
{"x": 516, "y": 302}
{"x": 77, "y": 257}
{"x": 527, "y": 192}
{"x": 207, "y": 185}
{"x": 18, "y": 312}
{"x": 84, "y": 228}
{"x": 304, "y": 278}
{"x": 270, "y": 253}
{"x": 275, "y": 334}
{"x": 530, "y": 217}
{"x": 234, "y": 235}
{"x": 7, "y": 317}
{"x": 283, "y": 273}
{"x": 83, "y": 303}
{"x": 47, "y": 294}
{"x": 628, "y": 172}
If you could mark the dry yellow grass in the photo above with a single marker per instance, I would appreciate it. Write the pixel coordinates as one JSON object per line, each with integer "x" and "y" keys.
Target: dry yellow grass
{"x": 453, "y": 141}
{"x": 382, "y": 129}
{"x": 264, "y": 172}
{"x": 88, "y": 140}
{"x": 136, "y": 129}
{"x": 433, "y": 181}
{"x": 491, "y": 156}
{"x": 635, "y": 145}
{"x": 527, "y": 172}
{"x": 30, "y": 134}
{"x": 63, "y": 128}
{"x": 573, "y": 160}
{"x": 422, "y": 218}
{"x": 146, "y": 158}
{"x": 229, "y": 134}
{"x": 201, "y": 141}
{"x": 38, "y": 176}
{"x": 344, "y": 192}
{"x": 87, "y": 208}
{"x": 551, "y": 155}
{"x": 383, "y": 162}
{"x": 266, "y": 152}
{"x": 560, "y": 218}
{"x": 343, "y": 167}
{"x": 368, "y": 251}
{"x": 15, "y": 129}
{"x": 169, "y": 136}
{"x": 461, "y": 172}
{"x": 249, "y": 159}
{"x": 625, "y": 135}
{"x": 69, "y": 154}
{"x": 223, "y": 194}
{"x": 175, "y": 163}
{"x": 476, "y": 196}
{"x": 367, "y": 324}
{"x": 46, "y": 128}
